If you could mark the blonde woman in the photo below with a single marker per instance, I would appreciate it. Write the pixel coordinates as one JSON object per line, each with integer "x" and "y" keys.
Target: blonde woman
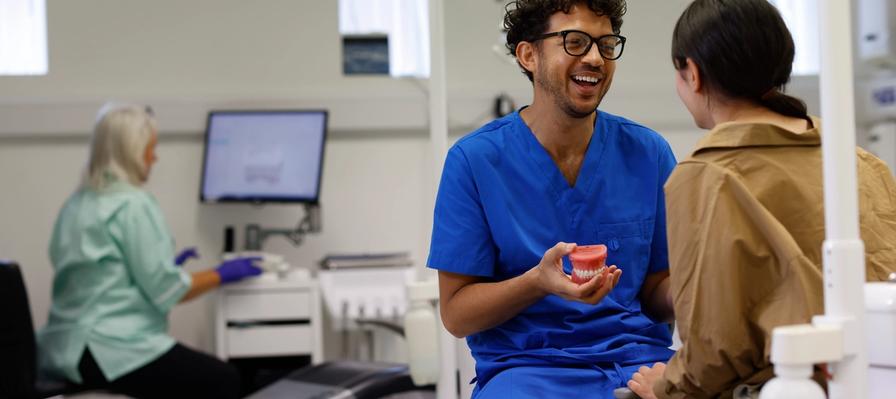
{"x": 116, "y": 278}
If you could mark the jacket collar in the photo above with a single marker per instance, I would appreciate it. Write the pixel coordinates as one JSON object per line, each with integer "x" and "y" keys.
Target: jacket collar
{"x": 751, "y": 134}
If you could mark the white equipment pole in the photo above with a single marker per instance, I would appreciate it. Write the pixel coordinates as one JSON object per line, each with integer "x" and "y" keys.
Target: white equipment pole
{"x": 838, "y": 336}
{"x": 843, "y": 250}
{"x": 438, "y": 91}
{"x": 438, "y": 136}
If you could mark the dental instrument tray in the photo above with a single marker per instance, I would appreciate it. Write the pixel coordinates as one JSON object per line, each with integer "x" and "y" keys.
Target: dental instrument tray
{"x": 350, "y": 261}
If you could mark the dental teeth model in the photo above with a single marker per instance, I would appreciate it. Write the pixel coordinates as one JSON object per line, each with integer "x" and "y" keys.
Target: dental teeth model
{"x": 587, "y": 261}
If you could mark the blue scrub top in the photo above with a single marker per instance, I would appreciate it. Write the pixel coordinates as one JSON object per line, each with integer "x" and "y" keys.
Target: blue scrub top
{"x": 502, "y": 202}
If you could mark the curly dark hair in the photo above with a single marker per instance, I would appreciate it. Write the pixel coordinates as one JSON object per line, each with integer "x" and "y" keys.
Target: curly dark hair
{"x": 526, "y": 19}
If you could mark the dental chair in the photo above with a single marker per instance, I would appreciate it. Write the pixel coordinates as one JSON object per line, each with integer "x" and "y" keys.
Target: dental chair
{"x": 18, "y": 351}
{"x": 346, "y": 380}
{"x": 370, "y": 380}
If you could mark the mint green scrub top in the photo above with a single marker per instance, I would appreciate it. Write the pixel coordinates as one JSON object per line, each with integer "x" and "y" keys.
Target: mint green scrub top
{"x": 115, "y": 282}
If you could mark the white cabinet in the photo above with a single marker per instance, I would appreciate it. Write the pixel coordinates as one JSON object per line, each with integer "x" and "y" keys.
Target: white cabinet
{"x": 265, "y": 317}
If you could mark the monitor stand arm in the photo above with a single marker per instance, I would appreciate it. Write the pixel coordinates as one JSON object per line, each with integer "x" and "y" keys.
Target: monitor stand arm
{"x": 256, "y": 235}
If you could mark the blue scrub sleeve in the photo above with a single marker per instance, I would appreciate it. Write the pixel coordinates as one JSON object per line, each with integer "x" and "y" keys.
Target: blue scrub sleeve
{"x": 659, "y": 251}
{"x": 148, "y": 254}
{"x": 461, "y": 239}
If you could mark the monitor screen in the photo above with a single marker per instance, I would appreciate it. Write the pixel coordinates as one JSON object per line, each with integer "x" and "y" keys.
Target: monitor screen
{"x": 263, "y": 156}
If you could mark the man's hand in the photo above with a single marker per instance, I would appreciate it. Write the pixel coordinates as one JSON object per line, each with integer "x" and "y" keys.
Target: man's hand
{"x": 551, "y": 279}
{"x": 642, "y": 381}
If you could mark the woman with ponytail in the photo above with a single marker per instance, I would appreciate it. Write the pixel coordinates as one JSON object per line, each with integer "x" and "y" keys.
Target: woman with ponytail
{"x": 745, "y": 210}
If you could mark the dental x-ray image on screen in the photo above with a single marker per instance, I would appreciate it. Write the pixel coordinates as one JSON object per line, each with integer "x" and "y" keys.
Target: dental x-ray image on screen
{"x": 263, "y": 156}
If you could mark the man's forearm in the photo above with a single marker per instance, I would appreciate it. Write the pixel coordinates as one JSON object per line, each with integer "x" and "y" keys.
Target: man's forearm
{"x": 658, "y": 303}
{"x": 480, "y": 306}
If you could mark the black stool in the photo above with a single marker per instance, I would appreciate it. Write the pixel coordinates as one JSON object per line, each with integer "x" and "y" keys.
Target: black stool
{"x": 18, "y": 365}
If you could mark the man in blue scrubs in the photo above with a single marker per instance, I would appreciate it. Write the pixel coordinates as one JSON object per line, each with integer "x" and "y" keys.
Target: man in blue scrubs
{"x": 520, "y": 192}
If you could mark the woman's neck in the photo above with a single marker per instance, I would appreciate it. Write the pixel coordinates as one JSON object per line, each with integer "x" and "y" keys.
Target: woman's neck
{"x": 748, "y": 112}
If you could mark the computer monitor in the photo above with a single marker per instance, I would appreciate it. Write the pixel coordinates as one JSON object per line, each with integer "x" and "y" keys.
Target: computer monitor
{"x": 263, "y": 156}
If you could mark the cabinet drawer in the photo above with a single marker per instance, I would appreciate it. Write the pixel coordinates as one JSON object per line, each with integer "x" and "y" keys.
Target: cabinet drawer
{"x": 277, "y": 305}
{"x": 269, "y": 341}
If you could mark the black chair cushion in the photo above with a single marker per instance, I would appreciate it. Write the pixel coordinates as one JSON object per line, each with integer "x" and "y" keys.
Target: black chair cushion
{"x": 365, "y": 380}
{"x": 46, "y": 387}
{"x": 18, "y": 364}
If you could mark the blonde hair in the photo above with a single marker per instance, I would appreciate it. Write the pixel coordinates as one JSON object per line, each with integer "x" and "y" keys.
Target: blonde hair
{"x": 120, "y": 137}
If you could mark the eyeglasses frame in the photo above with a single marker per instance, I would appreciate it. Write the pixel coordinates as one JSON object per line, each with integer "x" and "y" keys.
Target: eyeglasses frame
{"x": 564, "y": 33}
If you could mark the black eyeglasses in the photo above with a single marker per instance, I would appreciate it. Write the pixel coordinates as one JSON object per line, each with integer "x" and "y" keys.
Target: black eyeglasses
{"x": 578, "y": 43}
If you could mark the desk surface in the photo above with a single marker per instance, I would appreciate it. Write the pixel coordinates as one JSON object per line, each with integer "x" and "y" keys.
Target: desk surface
{"x": 270, "y": 280}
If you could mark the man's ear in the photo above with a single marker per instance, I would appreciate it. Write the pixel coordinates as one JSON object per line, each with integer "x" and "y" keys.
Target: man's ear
{"x": 692, "y": 76}
{"x": 525, "y": 55}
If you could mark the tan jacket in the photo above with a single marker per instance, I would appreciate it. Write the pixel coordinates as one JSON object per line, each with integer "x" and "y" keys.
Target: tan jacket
{"x": 745, "y": 227}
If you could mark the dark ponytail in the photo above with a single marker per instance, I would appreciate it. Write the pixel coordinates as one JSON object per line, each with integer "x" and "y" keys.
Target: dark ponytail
{"x": 743, "y": 50}
{"x": 784, "y": 104}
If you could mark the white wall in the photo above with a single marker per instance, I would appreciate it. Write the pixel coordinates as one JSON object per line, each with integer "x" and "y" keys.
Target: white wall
{"x": 185, "y": 57}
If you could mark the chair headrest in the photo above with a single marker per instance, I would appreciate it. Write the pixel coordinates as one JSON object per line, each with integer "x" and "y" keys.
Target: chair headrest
{"x": 9, "y": 267}
{"x": 18, "y": 362}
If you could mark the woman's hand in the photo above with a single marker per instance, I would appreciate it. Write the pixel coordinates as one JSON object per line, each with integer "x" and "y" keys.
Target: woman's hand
{"x": 642, "y": 381}
{"x": 185, "y": 255}
{"x": 238, "y": 268}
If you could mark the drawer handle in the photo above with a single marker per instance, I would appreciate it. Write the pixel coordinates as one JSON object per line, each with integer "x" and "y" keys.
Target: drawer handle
{"x": 258, "y": 323}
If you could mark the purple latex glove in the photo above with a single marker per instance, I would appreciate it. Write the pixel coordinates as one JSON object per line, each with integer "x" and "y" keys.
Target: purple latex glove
{"x": 237, "y": 269}
{"x": 185, "y": 255}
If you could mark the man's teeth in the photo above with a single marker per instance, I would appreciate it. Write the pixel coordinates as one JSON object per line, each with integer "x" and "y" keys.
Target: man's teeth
{"x": 586, "y": 274}
{"x": 587, "y": 79}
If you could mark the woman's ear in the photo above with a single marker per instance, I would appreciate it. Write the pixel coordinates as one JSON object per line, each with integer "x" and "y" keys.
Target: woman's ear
{"x": 691, "y": 75}
{"x": 525, "y": 55}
